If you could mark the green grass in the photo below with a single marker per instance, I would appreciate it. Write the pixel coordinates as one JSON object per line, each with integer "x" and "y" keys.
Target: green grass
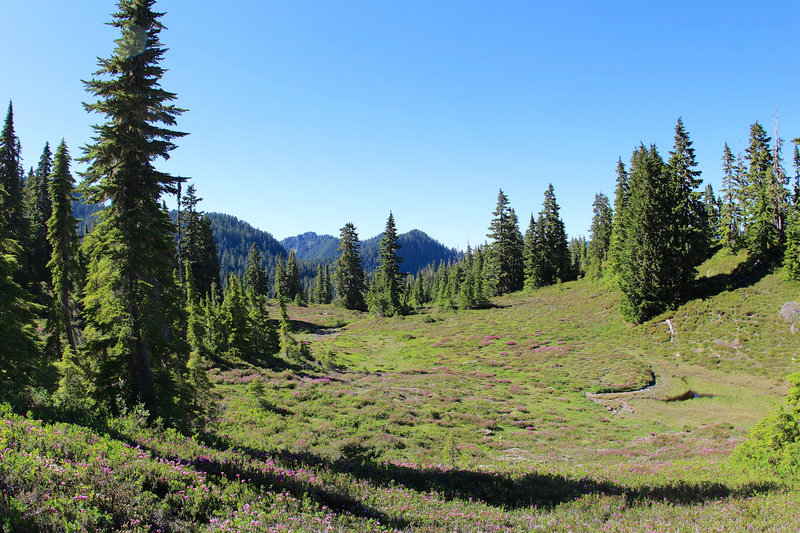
{"x": 525, "y": 416}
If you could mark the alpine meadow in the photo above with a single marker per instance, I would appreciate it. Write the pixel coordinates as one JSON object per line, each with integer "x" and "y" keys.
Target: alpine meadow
{"x": 170, "y": 369}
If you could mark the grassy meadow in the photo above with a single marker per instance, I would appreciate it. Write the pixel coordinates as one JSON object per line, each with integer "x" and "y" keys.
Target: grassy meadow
{"x": 545, "y": 412}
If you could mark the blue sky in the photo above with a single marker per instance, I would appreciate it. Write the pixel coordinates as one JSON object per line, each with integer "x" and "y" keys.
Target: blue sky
{"x": 306, "y": 115}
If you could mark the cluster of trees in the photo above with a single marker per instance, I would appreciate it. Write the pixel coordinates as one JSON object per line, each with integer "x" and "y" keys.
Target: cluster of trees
{"x": 121, "y": 327}
{"x": 662, "y": 225}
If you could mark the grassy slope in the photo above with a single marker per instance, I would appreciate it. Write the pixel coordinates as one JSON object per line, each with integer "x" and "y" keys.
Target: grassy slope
{"x": 470, "y": 421}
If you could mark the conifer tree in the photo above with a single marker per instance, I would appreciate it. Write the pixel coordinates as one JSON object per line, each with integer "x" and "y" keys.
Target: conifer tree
{"x": 712, "y": 207}
{"x": 385, "y": 289}
{"x": 730, "y": 213}
{"x": 506, "y": 267}
{"x": 11, "y": 179}
{"x": 554, "y": 250}
{"x": 63, "y": 241}
{"x": 650, "y": 270}
{"x": 761, "y": 232}
{"x": 17, "y": 315}
{"x": 479, "y": 297}
{"x": 204, "y": 261}
{"x": 294, "y": 287}
{"x": 328, "y": 292}
{"x": 234, "y": 317}
{"x": 348, "y": 276}
{"x": 617, "y": 241}
{"x": 319, "y": 286}
{"x": 599, "y": 235}
{"x": 279, "y": 288}
{"x": 533, "y": 255}
{"x": 38, "y": 209}
{"x": 255, "y": 278}
{"x": 197, "y": 242}
{"x": 689, "y": 219}
{"x": 132, "y": 301}
{"x": 466, "y": 290}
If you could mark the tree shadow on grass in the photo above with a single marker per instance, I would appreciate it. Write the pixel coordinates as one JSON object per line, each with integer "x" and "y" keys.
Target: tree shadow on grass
{"x": 747, "y": 273}
{"x": 506, "y": 491}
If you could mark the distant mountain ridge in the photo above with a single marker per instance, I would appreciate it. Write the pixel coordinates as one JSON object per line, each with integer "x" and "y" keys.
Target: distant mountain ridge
{"x": 417, "y": 250}
{"x": 311, "y": 246}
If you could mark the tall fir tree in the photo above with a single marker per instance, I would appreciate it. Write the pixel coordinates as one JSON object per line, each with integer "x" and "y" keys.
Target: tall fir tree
{"x": 18, "y": 333}
{"x": 730, "y": 213}
{"x": 533, "y": 255}
{"x": 761, "y": 232}
{"x": 255, "y": 278}
{"x": 234, "y": 318}
{"x": 650, "y": 263}
{"x": 554, "y": 250}
{"x": 348, "y": 275}
{"x": 506, "y": 266}
{"x": 294, "y": 286}
{"x": 599, "y": 235}
{"x": 197, "y": 247}
{"x": 689, "y": 220}
{"x": 132, "y": 302}
{"x": 64, "y": 265}
{"x": 385, "y": 291}
{"x": 38, "y": 209}
{"x": 11, "y": 174}
{"x": 617, "y": 240}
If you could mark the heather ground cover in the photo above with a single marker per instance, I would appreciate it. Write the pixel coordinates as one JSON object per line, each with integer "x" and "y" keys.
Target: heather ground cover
{"x": 545, "y": 412}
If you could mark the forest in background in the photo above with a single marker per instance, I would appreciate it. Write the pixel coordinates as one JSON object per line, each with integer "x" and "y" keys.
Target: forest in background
{"x": 132, "y": 311}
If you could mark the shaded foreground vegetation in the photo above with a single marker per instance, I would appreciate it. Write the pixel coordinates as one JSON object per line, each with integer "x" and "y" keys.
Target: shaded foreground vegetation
{"x": 465, "y": 421}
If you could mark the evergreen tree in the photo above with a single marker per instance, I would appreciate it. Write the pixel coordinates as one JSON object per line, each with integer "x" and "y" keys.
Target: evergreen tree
{"x": 63, "y": 241}
{"x": 600, "y": 235}
{"x": 651, "y": 274}
{"x": 17, "y": 315}
{"x": 577, "y": 254}
{"x": 533, "y": 255}
{"x": 204, "y": 261}
{"x": 38, "y": 209}
{"x": 689, "y": 219}
{"x": 132, "y": 301}
{"x": 730, "y": 213}
{"x": 262, "y": 336}
{"x": 318, "y": 296}
{"x": 11, "y": 174}
{"x": 328, "y": 291}
{"x": 294, "y": 288}
{"x": 791, "y": 258}
{"x": 197, "y": 243}
{"x": 234, "y": 318}
{"x": 255, "y": 278}
{"x": 761, "y": 231}
{"x": 617, "y": 241}
{"x": 385, "y": 289}
{"x": 348, "y": 276}
{"x": 279, "y": 288}
{"x": 554, "y": 250}
{"x": 479, "y": 297}
{"x": 505, "y": 269}
{"x": 712, "y": 206}
{"x": 466, "y": 291}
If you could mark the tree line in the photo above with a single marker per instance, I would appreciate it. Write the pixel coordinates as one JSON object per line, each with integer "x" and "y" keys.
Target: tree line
{"x": 136, "y": 311}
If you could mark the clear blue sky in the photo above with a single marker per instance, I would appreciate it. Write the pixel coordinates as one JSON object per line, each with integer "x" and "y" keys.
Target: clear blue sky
{"x": 305, "y": 115}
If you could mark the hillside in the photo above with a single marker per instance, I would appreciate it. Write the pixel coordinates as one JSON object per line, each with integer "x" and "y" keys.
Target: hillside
{"x": 417, "y": 250}
{"x": 512, "y": 418}
{"x": 311, "y": 246}
{"x": 234, "y": 238}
